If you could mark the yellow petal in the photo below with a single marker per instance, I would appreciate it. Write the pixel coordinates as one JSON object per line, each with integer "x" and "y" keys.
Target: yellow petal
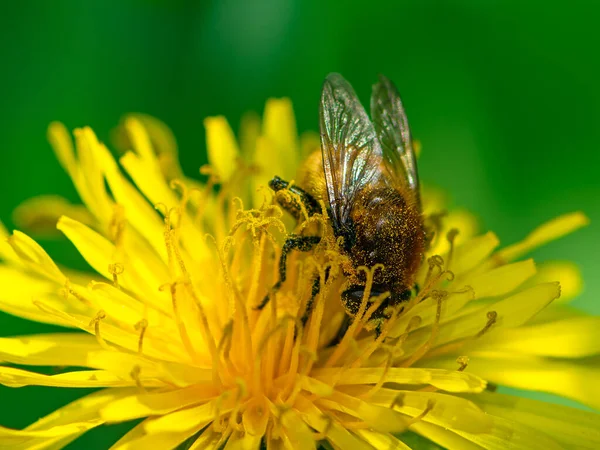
{"x": 187, "y": 419}
{"x": 62, "y": 426}
{"x": 492, "y": 283}
{"x": 153, "y": 185}
{"x": 20, "y": 290}
{"x": 295, "y": 433}
{"x": 90, "y": 183}
{"x": 163, "y": 143}
{"x": 279, "y": 126}
{"x": 149, "y": 180}
{"x": 503, "y": 279}
{"x": 447, "y": 380}
{"x": 382, "y": 440}
{"x": 445, "y": 410}
{"x": 511, "y": 434}
{"x": 156, "y": 440}
{"x": 34, "y": 257}
{"x": 119, "y": 335}
{"x": 269, "y": 166}
{"x": 310, "y": 142}
{"x": 221, "y": 146}
{"x": 249, "y": 132}
{"x": 7, "y": 254}
{"x": 139, "y": 274}
{"x": 242, "y": 441}
{"x": 551, "y": 230}
{"x": 566, "y": 273}
{"x": 62, "y": 144}
{"x": 567, "y": 378}
{"x": 434, "y": 200}
{"x": 138, "y": 212}
{"x": 40, "y": 214}
{"x": 153, "y": 404}
{"x": 472, "y": 252}
{"x": 443, "y": 436}
{"x": 56, "y": 437}
{"x": 98, "y": 251}
{"x": 336, "y": 434}
{"x": 207, "y": 440}
{"x": 75, "y": 350}
{"x": 576, "y": 337}
{"x": 570, "y": 427}
{"x": 461, "y": 220}
{"x": 510, "y": 312}
{"x": 382, "y": 418}
{"x": 255, "y": 418}
{"x": 52, "y": 349}
{"x": 12, "y": 377}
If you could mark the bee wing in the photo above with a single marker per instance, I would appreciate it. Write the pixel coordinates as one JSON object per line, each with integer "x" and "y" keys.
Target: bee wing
{"x": 393, "y": 132}
{"x": 352, "y": 154}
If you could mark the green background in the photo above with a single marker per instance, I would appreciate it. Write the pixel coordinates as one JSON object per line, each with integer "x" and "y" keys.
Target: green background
{"x": 503, "y": 95}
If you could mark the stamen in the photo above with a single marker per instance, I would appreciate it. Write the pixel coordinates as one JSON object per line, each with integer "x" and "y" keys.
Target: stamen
{"x": 135, "y": 375}
{"x": 358, "y": 320}
{"x": 185, "y": 339}
{"x": 178, "y": 185}
{"x": 492, "y": 316}
{"x": 205, "y": 330}
{"x": 463, "y": 362}
{"x": 376, "y": 343}
{"x": 115, "y": 270}
{"x": 258, "y": 386}
{"x": 439, "y": 296}
{"x": 69, "y": 290}
{"x": 319, "y": 436}
{"x": 116, "y": 226}
{"x": 257, "y": 258}
{"x": 455, "y": 346}
{"x": 95, "y": 322}
{"x": 414, "y": 322}
{"x": 377, "y": 301}
{"x": 398, "y": 401}
{"x": 451, "y": 236}
{"x": 217, "y": 422}
{"x": 357, "y": 425}
{"x": 224, "y": 437}
{"x": 314, "y": 331}
{"x": 430, "y": 406}
{"x": 381, "y": 381}
{"x": 205, "y": 194}
{"x": 242, "y": 392}
{"x": 434, "y": 261}
{"x": 236, "y": 305}
{"x": 141, "y": 326}
{"x": 491, "y": 387}
{"x": 226, "y": 339}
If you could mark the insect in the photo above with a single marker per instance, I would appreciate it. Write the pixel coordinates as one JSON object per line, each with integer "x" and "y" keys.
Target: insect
{"x": 367, "y": 175}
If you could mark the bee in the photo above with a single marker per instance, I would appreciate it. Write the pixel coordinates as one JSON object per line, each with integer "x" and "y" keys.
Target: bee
{"x": 366, "y": 173}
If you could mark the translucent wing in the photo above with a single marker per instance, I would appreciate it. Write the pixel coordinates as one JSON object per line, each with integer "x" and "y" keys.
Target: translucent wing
{"x": 352, "y": 155}
{"x": 393, "y": 132}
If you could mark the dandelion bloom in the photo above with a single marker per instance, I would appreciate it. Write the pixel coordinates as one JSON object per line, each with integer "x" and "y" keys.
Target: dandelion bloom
{"x": 169, "y": 332}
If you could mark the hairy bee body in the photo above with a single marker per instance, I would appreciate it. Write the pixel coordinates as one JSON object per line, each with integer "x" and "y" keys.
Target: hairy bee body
{"x": 385, "y": 227}
{"x": 366, "y": 176}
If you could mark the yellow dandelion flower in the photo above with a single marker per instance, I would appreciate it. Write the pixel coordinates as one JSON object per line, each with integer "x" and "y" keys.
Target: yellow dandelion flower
{"x": 170, "y": 333}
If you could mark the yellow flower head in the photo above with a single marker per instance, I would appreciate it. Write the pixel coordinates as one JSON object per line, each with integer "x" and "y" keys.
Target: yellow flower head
{"x": 171, "y": 333}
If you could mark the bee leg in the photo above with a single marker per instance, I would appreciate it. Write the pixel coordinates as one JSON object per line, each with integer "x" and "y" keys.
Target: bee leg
{"x": 316, "y": 288}
{"x": 294, "y": 204}
{"x": 301, "y": 243}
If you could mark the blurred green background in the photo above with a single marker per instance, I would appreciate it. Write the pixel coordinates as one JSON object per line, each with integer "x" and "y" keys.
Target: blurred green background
{"x": 504, "y": 96}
